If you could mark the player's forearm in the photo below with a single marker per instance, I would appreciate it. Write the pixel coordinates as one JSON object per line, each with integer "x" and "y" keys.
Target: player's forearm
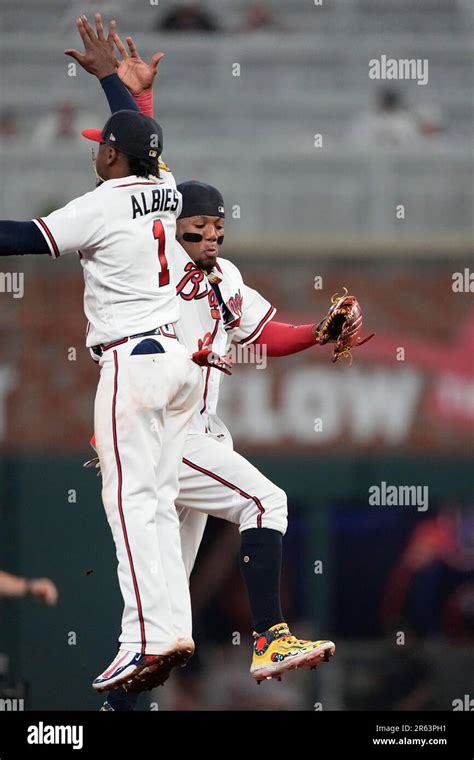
{"x": 13, "y": 585}
{"x": 20, "y": 238}
{"x": 118, "y": 97}
{"x": 281, "y": 339}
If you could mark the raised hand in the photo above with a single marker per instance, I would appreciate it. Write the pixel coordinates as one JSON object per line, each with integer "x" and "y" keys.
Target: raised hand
{"x": 99, "y": 55}
{"x": 136, "y": 75}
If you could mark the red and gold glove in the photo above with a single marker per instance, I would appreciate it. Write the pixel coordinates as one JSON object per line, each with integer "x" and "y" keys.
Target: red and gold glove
{"x": 342, "y": 325}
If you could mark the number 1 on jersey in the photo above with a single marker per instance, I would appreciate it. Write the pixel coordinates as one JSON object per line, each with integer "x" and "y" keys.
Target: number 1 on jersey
{"x": 159, "y": 234}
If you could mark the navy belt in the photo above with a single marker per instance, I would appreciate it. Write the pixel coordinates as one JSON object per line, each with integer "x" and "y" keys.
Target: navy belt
{"x": 167, "y": 331}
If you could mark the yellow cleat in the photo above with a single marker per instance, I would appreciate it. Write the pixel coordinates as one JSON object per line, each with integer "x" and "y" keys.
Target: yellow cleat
{"x": 277, "y": 650}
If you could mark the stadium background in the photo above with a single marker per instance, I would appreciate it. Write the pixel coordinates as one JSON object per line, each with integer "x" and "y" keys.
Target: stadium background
{"x": 296, "y": 212}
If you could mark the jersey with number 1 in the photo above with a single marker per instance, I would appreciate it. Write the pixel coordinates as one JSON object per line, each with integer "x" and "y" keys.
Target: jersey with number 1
{"x": 124, "y": 233}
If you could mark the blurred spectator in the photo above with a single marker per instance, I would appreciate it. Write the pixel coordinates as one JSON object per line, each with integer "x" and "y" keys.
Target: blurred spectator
{"x": 388, "y": 125}
{"x": 8, "y": 126}
{"x": 63, "y": 125}
{"x": 259, "y": 17}
{"x": 188, "y": 17}
{"x": 431, "y": 585}
{"x": 15, "y": 587}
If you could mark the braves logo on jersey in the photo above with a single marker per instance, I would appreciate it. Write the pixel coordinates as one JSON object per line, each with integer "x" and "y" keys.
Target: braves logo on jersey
{"x": 194, "y": 285}
{"x": 235, "y": 306}
{"x": 228, "y": 309}
{"x": 190, "y": 285}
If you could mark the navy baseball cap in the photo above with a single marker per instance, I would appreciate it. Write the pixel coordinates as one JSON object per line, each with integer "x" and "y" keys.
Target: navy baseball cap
{"x": 200, "y": 199}
{"x": 131, "y": 133}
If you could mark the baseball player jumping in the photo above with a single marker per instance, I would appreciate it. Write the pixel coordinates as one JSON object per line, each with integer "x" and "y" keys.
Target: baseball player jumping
{"x": 124, "y": 234}
{"x": 214, "y": 479}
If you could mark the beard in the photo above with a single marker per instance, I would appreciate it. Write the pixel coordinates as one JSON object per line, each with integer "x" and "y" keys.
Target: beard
{"x": 207, "y": 267}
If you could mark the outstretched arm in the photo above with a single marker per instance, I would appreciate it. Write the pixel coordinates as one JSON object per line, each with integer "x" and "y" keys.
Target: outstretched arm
{"x": 127, "y": 82}
{"x": 99, "y": 60}
{"x": 256, "y": 325}
{"x": 36, "y": 237}
{"x": 20, "y": 238}
{"x": 342, "y": 326}
{"x": 282, "y": 339}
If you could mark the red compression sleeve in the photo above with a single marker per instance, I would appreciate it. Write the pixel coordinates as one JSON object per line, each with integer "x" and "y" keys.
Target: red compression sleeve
{"x": 282, "y": 339}
{"x": 145, "y": 102}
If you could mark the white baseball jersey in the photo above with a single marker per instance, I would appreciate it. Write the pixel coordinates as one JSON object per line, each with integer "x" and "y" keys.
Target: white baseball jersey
{"x": 241, "y": 320}
{"x": 124, "y": 232}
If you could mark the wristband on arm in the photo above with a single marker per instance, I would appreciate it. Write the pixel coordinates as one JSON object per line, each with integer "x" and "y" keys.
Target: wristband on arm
{"x": 145, "y": 102}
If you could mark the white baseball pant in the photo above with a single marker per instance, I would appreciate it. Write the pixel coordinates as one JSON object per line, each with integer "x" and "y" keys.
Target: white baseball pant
{"x": 144, "y": 405}
{"x": 216, "y": 480}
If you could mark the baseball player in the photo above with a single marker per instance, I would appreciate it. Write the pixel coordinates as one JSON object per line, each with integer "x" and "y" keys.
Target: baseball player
{"x": 124, "y": 234}
{"x": 214, "y": 479}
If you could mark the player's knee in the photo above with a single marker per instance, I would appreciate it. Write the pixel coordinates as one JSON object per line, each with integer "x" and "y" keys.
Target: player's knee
{"x": 275, "y": 513}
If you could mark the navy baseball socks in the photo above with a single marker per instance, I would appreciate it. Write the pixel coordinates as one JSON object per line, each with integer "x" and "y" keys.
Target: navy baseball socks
{"x": 260, "y": 565}
{"x": 275, "y": 649}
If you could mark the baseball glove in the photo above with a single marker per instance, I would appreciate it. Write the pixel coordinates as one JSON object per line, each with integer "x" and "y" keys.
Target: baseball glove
{"x": 342, "y": 325}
